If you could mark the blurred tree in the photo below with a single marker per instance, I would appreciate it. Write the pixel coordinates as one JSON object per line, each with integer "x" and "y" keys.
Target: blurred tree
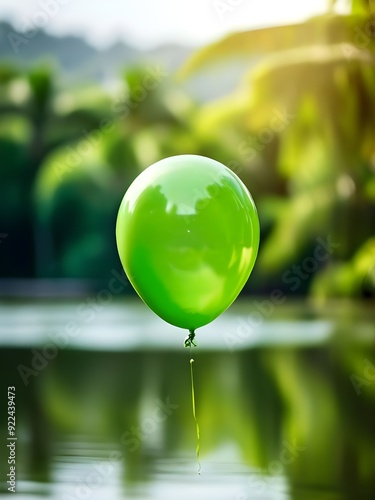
{"x": 30, "y": 126}
{"x": 80, "y": 185}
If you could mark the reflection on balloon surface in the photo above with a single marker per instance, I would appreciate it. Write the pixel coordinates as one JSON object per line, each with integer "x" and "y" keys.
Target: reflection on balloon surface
{"x": 187, "y": 234}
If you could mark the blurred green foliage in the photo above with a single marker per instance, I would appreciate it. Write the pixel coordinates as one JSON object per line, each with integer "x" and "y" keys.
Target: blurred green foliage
{"x": 304, "y": 118}
{"x": 299, "y": 131}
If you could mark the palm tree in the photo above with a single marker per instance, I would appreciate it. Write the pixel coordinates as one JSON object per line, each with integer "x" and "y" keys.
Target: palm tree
{"x": 304, "y": 120}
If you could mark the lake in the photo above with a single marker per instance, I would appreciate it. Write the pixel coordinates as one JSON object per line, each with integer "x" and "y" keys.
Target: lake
{"x": 285, "y": 400}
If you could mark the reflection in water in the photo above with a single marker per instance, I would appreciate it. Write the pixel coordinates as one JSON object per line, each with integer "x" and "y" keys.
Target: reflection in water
{"x": 276, "y": 422}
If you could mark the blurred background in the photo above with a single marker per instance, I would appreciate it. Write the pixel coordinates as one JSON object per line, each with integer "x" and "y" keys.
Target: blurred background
{"x": 92, "y": 93}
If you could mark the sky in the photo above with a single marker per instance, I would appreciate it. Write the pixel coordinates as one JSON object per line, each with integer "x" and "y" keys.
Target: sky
{"x": 148, "y": 23}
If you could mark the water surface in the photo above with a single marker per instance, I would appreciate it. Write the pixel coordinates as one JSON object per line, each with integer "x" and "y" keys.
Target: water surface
{"x": 285, "y": 401}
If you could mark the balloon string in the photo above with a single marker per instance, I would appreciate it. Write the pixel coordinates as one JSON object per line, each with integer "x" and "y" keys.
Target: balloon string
{"x": 189, "y": 342}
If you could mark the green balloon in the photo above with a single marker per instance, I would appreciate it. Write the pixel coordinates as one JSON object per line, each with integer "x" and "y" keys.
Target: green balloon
{"x": 187, "y": 234}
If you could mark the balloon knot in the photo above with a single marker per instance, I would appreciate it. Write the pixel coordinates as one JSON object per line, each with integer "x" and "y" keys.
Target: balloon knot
{"x": 189, "y": 340}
